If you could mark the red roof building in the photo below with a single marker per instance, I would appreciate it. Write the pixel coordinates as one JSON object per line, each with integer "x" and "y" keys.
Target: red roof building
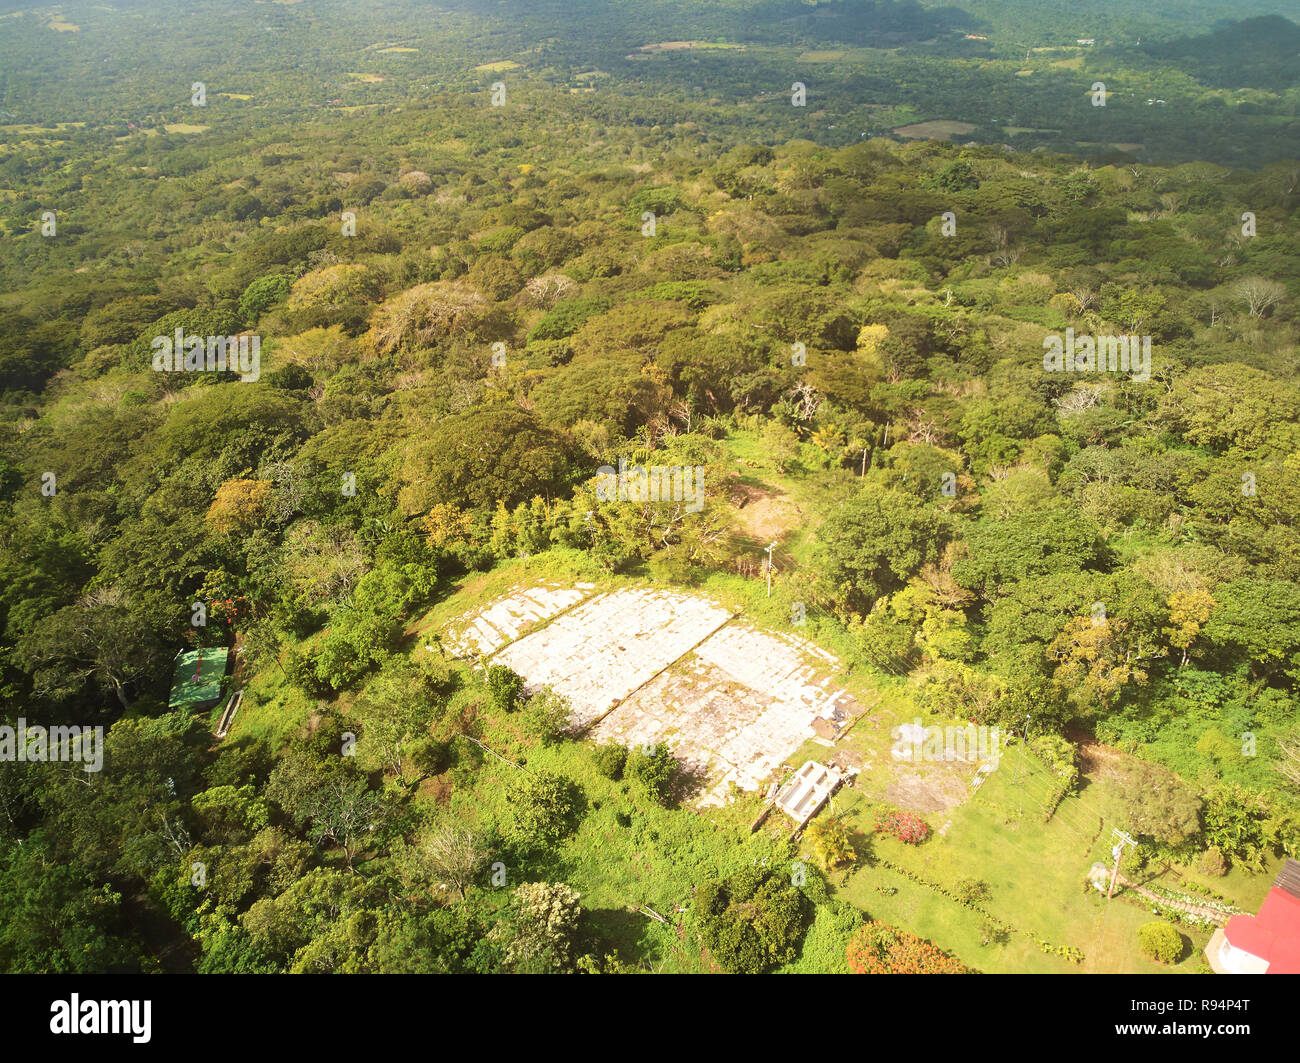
{"x": 1267, "y": 943}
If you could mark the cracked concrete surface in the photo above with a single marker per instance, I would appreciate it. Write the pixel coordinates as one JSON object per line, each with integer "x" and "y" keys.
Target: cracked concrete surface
{"x": 643, "y": 665}
{"x": 505, "y": 619}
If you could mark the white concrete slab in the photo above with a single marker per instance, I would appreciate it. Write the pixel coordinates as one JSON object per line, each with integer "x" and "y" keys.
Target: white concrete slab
{"x": 503, "y": 620}
{"x": 601, "y": 651}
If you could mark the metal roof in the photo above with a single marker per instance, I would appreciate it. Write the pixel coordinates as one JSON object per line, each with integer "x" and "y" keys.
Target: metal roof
{"x": 197, "y": 677}
{"x": 1288, "y": 878}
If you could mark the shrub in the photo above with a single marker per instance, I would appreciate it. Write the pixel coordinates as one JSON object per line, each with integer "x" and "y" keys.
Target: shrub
{"x": 609, "y": 760}
{"x": 655, "y": 768}
{"x": 907, "y": 827}
{"x": 1212, "y": 862}
{"x": 830, "y": 844}
{"x": 504, "y": 687}
{"x": 971, "y": 890}
{"x": 548, "y": 715}
{"x": 993, "y": 933}
{"x": 1160, "y": 941}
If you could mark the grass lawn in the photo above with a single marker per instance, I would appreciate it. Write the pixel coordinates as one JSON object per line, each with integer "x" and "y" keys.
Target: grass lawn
{"x": 1036, "y": 877}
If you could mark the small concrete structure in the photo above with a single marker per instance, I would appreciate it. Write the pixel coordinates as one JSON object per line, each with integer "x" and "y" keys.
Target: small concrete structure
{"x": 228, "y": 717}
{"x": 809, "y": 789}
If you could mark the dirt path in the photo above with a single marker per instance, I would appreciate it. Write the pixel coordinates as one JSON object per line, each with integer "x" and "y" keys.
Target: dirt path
{"x": 1198, "y": 910}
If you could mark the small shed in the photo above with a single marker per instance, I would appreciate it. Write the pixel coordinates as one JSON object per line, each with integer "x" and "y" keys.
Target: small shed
{"x": 807, "y": 791}
{"x": 196, "y": 678}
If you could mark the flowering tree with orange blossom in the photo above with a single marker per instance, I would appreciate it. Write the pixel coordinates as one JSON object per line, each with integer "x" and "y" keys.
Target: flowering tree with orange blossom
{"x": 878, "y": 948}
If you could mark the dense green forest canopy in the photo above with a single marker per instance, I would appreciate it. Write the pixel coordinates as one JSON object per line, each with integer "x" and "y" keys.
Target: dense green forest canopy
{"x": 1016, "y": 73}
{"x": 465, "y": 309}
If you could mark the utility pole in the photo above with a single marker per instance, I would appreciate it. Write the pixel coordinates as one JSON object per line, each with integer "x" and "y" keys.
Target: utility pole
{"x": 1121, "y": 839}
{"x": 769, "y": 569}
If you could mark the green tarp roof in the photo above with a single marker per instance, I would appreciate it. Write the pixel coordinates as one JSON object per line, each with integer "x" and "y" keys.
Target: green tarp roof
{"x": 197, "y": 678}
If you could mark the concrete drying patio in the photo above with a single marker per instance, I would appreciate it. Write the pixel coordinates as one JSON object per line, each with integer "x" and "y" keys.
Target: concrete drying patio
{"x": 642, "y": 666}
{"x": 600, "y": 652}
{"x": 505, "y": 619}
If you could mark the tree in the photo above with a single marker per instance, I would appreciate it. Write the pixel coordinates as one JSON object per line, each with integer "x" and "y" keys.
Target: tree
{"x": 246, "y": 206}
{"x": 496, "y": 276}
{"x": 393, "y": 711}
{"x": 262, "y": 294}
{"x": 347, "y": 813}
{"x": 1160, "y": 941}
{"x": 878, "y": 948}
{"x": 1233, "y": 406}
{"x": 339, "y": 294}
{"x": 55, "y": 920}
{"x": 229, "y": 815}
{"x": 751, "y": 921}
{"x": 614, "y": 395}
{"x": 1244, "y": 824}
{"x": 475, "y": 460}
{"x": 437, "y": 941}
{"x": 540, "y": 930}
{"x": 30, "y": 351}
{"x": 1260, "y": 618}
{"x": 327, "y": 799}
{"x": 1003, "y": 553}
{"x": 1289, "y": 765}
{"x": 101, "y": 637}
{"x": 239, "y": 505}
{"x": 323, "y": 562}
{"x": 1157, "y": 804}
{"x": 450, "y": 852}
{"x": 566, "y": 317}
{"x": 429, "y": 315}
{"x": 324, "y": 903}
{"x": 1259, "y": 294}
{"x": 129, "y": 818}
{"x": 1188, "y": 612}
{"x": 873, "y": 544}
{"x": 1094, "y": 661}
{"x": 781, "y": 443}
{"x": 543, "y": 808}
